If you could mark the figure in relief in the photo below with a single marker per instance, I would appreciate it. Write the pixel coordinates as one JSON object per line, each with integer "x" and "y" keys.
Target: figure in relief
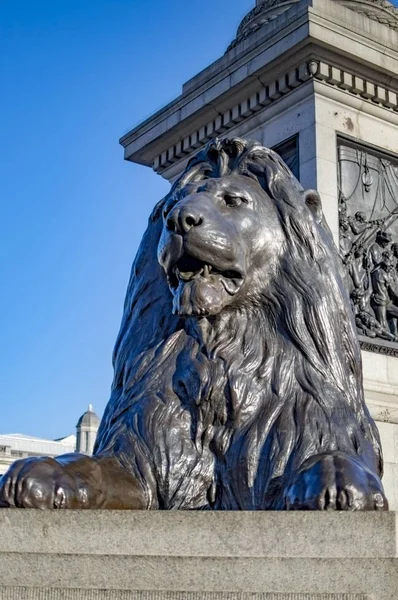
{"x": 385, "y": 293}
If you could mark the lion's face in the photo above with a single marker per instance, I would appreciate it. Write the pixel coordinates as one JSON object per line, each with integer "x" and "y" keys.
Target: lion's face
{"x": 221, "y": 239}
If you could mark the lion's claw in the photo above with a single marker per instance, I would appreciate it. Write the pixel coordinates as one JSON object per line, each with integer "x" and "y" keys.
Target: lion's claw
{"x": 335, "y": 482}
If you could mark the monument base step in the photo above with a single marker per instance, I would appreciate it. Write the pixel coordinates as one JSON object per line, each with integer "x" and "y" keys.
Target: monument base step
{"x": 176, "y": 555}
{"x": 18, "y": 593}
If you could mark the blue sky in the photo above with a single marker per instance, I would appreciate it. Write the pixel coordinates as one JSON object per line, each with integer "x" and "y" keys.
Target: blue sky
{"x": 76, "y": 75}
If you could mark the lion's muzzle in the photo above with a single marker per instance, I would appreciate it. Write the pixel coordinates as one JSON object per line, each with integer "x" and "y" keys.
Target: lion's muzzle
{"x": 198, "y": 251}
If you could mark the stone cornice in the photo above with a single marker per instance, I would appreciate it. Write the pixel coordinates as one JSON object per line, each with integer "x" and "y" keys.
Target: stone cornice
{"x": 314, "y": 69}
{"x": 224, "y": 76}
{"x": 359, "y": 86}
{"x": 324, "y": 29}
{"x": 265, "y": 96}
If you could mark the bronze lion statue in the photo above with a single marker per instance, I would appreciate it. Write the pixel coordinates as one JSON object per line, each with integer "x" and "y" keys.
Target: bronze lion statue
{"x": 238, "y": 381}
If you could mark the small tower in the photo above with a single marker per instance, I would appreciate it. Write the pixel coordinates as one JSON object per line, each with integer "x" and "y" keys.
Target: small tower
{"x": 86, "y": 431}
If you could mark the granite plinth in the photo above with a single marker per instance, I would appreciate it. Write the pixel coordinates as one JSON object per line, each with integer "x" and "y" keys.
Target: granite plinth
{"x": 113, "y": 555}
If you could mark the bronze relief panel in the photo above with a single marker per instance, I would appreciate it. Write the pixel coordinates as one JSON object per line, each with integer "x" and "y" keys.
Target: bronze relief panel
{"x": 368, "y": 224}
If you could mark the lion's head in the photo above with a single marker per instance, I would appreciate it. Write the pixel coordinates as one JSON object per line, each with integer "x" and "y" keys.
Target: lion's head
{"x": 239, "y": 245}
{"x": 222, "y": 239}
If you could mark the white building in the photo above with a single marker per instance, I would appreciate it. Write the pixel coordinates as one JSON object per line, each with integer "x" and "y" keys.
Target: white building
{"x": 14, "y": 446}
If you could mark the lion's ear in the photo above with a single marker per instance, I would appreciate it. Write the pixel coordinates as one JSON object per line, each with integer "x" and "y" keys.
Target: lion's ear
{"x": 314, "y": 203}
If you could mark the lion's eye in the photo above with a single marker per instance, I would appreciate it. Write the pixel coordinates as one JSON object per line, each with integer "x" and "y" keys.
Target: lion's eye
{"x": 231, "y": 200}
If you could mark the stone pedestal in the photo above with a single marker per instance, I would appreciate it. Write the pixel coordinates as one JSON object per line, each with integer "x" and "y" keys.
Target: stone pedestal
{"x": 197, "y": 555}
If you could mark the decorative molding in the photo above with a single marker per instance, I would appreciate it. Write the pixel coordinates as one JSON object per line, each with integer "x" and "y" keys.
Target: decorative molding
{"x": 381, "y": 11}
{"x": 268, "y": 94}
{"x": 377, "y": 10}
{"x": 262, "y": 14}
{"x": 359, "y": 86}
{"x": 223, "y": 122}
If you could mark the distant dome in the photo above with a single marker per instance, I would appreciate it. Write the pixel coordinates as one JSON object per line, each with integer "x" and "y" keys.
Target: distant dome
{"x": 378, "y": 10}
{"x": 89, "y": 418}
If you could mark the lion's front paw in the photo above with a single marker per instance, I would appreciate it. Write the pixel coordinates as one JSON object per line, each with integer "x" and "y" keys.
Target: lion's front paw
{"x": 40, "y": 483}
{"x": 335, "y": 482}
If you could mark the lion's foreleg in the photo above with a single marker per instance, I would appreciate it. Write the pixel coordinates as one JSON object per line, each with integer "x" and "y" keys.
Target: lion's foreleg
{"x": 71, "y": 481}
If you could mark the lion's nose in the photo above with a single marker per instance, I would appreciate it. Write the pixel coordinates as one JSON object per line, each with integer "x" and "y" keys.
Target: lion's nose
{"x": 182, "y": 220}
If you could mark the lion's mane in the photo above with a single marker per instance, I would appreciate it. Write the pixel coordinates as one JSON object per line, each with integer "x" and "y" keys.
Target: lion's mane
{"x": 293, "y": 358}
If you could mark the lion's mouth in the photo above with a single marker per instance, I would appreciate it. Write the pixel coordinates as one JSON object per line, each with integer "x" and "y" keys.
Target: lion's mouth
{"x": 188, "y": 268}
